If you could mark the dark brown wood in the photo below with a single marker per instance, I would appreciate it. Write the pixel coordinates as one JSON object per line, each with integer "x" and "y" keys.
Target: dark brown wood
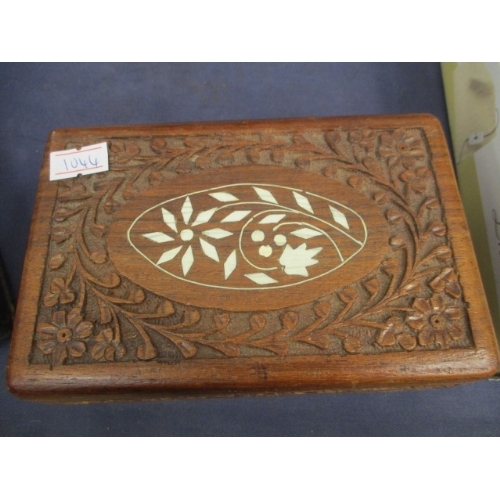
{"x": 251, "y": 257}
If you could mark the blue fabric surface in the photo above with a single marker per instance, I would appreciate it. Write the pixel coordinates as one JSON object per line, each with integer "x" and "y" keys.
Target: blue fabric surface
{"x": 36, "y": 98}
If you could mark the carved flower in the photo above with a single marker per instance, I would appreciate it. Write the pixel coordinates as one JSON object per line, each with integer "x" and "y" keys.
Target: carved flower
{"x": 64, "y": 336}
{"x": 400, "y": 149}
{"x": 106, "y": 347}
{"x": 447, "y": 280}
{"x": 416, "y": 179}
{"x": 122, "y": 152}
{"x": 365, "y": 138}
{"x": 394, "y": 333}
{"x": 59, "y": 292}
{"x": 434, "y": 322}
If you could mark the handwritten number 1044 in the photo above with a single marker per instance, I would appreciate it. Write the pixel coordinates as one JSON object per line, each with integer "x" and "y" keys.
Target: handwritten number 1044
{"x": 80, "y": 162}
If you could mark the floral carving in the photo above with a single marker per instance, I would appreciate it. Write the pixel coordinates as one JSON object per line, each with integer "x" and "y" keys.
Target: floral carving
{"x": 106, "y": 347}
{"x": 395, "y": 333}
{"x": 416, "y": 178}
{"x": 122, "y": 152}
{"x": 435, "y": 322}
{"x": 401, "y": 148}
{"x": 65, "y": 336}
{"x": 447, "y": 280}
{"x": 89, "y": 313}
{"x": 59, "y": 293}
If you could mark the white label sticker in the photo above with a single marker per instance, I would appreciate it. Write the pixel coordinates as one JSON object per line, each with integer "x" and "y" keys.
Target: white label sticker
{"x": 72, "y": 162}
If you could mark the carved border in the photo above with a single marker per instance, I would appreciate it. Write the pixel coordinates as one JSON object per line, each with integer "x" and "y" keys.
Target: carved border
{"x": 413, "y": 301}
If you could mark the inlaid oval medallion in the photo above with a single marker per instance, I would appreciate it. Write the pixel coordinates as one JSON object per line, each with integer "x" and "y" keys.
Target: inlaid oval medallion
{"x": 248, "y": 238}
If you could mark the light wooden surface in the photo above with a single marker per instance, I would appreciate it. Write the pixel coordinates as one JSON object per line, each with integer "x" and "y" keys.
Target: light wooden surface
{"x": 251, "y": 257}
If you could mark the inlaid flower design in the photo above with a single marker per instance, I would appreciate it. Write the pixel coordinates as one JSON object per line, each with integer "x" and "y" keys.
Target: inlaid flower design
{"x": 435, "y": 322}
{"x": 246, "y": 236}
{"x": 65, "y": 336}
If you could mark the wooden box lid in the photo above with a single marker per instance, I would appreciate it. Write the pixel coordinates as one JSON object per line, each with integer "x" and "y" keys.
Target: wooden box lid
{"x": 251, "y": 257}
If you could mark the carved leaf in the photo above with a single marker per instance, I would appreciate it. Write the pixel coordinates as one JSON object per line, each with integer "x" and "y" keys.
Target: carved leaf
{"x": 57, "y": 260}
{"x": 221, "y": 320}
{"x": 130, "y": 192}
{"x": 371, "y": 164}
{"x": 104, "y": 311}
{"x": 431, "y": 203}
{"x": 229, "y": 350}
{"x": 355, "y": 181}
{"x": 278, "y": 155}
{"x": 332, "y": 138}
{"x": 407, "y": 341}
{"x": 98, "y": 230}
{"x": 390, "y": 266}
{"x": 60, "y": 234}
{"x": 303, "y": 162}
{"x": 137, "y": 296}
{"x": 111, "y": 280}
{"x": 436, "y": 228}
{"x": 381, "y": 198}
{"x": 322, "y": 309}
{"x": 300, "y": 140}
{"x": 290, "y": 319}
{"x": 413, "y": 287}
{"x": 348, "y": 295}
{"x": 253, "y": 155}
{"x": 146, "y": 352}
{"x": 393, "y": 215}
{"x": 397, "y": 242}
{"x": 166, "y": 308}
{"x": 187, "y": 348}
{"x": 204, "y": 162}
{"x": 226, "y": 157}
{"x": 61, "y": 214}
{"x": 158, "y": 144}
{"x": 330, "y": 171}
{"x": 191, "y": 317}
{"x": 155, "y": 178}
{"x": 76, "y": 191}
{"x": 386, "y": 338}
{"x": 321, "y": 341}
{"x": 372, "y": 286}
{"x": 99, "y": 256}
{"x": 184, "y": 168}
{"x": 443, "y": 253}
{"x": 257, "y": 322}
{"x": 352, "y": 345}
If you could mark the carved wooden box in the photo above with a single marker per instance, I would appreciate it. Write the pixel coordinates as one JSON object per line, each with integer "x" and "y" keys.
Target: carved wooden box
{"x": 251, "y": 257}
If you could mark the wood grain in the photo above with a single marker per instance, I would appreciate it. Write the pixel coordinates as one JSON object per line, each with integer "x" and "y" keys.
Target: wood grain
{"x": 251, "y": 257}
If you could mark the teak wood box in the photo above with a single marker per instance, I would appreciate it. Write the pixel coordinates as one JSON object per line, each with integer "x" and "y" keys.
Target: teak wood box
{"x": 251, "y": 257}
